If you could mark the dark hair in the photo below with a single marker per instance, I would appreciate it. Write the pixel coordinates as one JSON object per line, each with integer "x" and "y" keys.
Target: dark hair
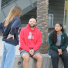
{"x": 54, "y": 33}
{"x": 33, "y": 18}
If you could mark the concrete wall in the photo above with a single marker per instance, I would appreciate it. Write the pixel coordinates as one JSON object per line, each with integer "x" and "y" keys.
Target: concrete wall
{"x": 46, "y": 62}
{"x": 27, "y": 16}
{"x": 56, "y": 7}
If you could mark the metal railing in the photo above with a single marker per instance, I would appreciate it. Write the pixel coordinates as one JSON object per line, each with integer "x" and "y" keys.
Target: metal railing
{"x": 6, "y": 2}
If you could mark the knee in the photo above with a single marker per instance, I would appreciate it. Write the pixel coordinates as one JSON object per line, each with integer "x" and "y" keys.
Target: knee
{"x": 39, "y": 58}
{"x": 25, "y": 58}
{"x": 66, "y": 56}
{"x": 55, "y": 56}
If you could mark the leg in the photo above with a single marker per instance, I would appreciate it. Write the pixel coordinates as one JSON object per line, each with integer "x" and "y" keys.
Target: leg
{"x": 55, "y": 58}
{"x": 25, "y": 56}
{"x": 10, "y": 55}
{"x": 25, "y": 60}
{"x": 4, "y": 57}
{"x": 38, "y": 57}
{"x": 65, "y": 58}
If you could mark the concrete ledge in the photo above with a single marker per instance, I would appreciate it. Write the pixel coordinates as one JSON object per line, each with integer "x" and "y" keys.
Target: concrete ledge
{"x": 46, "y": 63}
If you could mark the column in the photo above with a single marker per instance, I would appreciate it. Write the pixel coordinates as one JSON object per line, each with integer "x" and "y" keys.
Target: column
{"x": 42, "y": 23}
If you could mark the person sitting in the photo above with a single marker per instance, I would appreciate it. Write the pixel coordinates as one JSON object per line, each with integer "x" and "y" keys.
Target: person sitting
{"x": 57, "y": 42}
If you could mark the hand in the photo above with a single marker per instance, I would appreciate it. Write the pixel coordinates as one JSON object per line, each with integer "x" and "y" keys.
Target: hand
{"x": 67, "y": 49}
{"x": 60, "y": 51}
{"x": 10, "y": 36}
{"x": 31, "y": 52}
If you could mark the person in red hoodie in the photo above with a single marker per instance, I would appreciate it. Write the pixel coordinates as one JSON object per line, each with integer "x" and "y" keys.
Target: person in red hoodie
{"x": 30, "y": 41}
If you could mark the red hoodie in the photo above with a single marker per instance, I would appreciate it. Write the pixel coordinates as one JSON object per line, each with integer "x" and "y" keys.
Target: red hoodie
{"x": 30, "y": 38}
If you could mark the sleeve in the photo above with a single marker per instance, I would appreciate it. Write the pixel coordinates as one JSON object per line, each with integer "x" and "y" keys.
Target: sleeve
{"x": 51, "y": 44}
{"x": 22, "y": 42}
{"x": 65, "y": 43}
{"x": 38, "y": 43}
{"x": 16, "y": 24}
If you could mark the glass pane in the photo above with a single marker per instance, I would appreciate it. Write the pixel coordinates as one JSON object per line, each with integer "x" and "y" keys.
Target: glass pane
{"x": 50, "y": 19}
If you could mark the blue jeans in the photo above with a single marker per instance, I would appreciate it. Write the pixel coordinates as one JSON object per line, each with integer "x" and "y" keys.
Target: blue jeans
{"x": 8, "y": 55}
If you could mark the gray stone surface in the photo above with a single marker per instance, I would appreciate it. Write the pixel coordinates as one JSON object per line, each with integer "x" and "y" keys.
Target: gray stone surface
{"x": 46, "y": 63}
{"x": 18, "y": 62}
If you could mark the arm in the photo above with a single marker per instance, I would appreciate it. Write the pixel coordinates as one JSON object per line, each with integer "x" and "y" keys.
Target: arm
{"x": 67, "y": 45}
{"x": 38, "y": 43}
{"x": 51, "y": 44}
{"x": 22, "y": 42}
{"x": 16, "y": 24}
{"x": 65, "y": 42}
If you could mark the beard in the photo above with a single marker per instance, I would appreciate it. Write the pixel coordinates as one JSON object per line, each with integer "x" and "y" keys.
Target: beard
{"x": 32, "y": 26}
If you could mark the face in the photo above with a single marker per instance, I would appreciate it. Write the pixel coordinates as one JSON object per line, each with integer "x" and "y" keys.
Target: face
{"x": 58, "y": 27}
{"x": 32, "y": 22}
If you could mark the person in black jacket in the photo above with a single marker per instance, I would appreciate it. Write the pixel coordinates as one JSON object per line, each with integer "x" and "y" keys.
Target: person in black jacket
{"x": 57, "y": 42}
{"x": 9, "y": 27}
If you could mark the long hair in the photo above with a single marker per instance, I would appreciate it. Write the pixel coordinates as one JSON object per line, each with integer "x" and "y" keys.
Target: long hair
{"x": 15, "y": 11}
{"x": 54, "y": 34}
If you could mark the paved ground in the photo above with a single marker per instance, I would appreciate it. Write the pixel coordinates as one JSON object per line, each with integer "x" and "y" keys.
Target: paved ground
{"x": 1, "y": 47}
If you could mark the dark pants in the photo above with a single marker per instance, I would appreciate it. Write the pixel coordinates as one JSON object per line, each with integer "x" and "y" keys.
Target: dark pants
{"x": 55, "y": 58}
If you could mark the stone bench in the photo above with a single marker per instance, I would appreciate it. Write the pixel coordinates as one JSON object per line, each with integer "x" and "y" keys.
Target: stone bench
{"x": 46, "y": 62}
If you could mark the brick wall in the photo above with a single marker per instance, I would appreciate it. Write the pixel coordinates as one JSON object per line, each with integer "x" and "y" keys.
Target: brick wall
{"x": 42, "y": 23}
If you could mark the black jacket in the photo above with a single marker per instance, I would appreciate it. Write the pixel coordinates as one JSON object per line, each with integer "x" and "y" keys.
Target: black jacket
{"x": 12, "y": 29}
